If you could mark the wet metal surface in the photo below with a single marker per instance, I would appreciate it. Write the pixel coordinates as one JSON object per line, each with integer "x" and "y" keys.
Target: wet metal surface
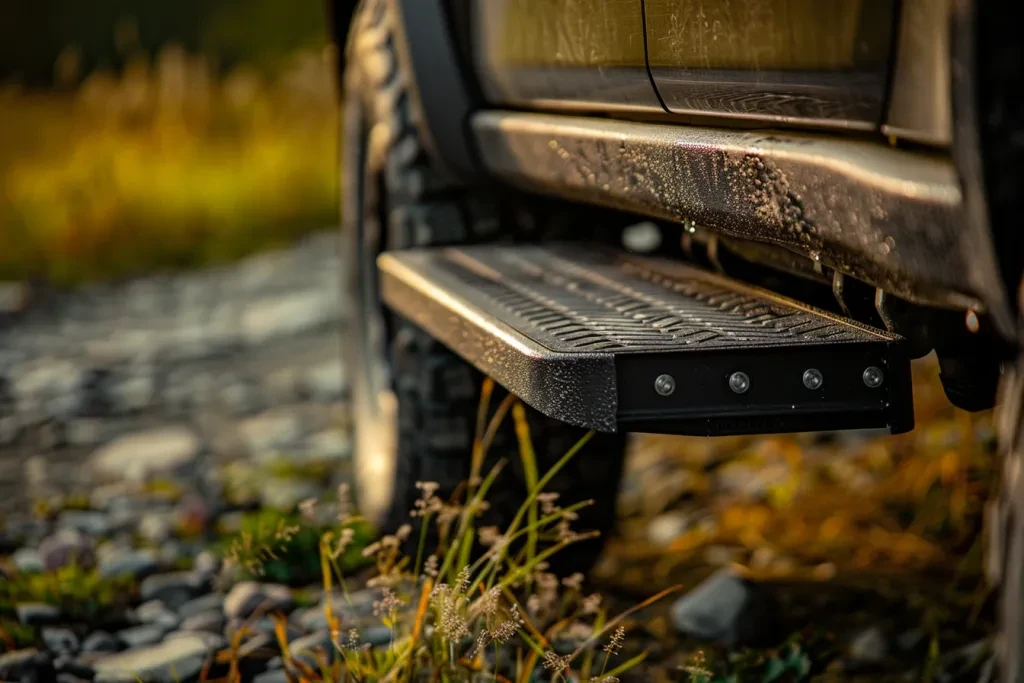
{"x": 570, "y": 54}
{"x": 777, "y": 60}
{"x": 888, "y": 217}
{"x": 599, "y": 339}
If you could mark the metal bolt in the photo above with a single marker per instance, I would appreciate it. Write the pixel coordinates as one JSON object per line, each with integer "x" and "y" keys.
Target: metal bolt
{"x": 739, "y": 382}
{"x": 813, "y": 379}
{"x": 665, "y": 385}
{"x": 873, "y": 377}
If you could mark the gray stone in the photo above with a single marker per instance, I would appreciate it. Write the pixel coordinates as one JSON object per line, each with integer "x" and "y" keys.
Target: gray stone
{"x": 64, "y": 548}
{"x": 175, "y": 659}
{"x": 205, "y": 603}
{"x": 92, "y": 522}
{"x": 269, "y": 432}
{"x": 376, "y": 636}
{"x": 101, "y": 641}
{"x": 157, "y": 613}
{"x": 287, "y": 315}
{"x": 214, "y": 641}
{"x": 326, "y": 382}
{"x": 207, "y": 563}
{"x": 310, "y": 644}
{"x": 19, "y": 665}
{"x": 869, "y": 646}
{"x": 240, "y": 398}
{"x": 173, "y": 589}
{"x": 14, "y": 297}
{"x": 137, "y": 456}
{"x": 212, "y": 622}
{"x": 67, "y": 666}
{"x": 280, "y": 493}
{"x": 713, "y": 610}
{"x": 60, "y": 640}
{"x": 9, "y": 430}
{"x": 135, "y": 563}
{"x": 156, "y": 527}
{"x": 132, "y": 393}
{"x": 139, "y": 636}
{"x": 272, "y": 676}
{"x": 49, "y": 379}
{"x": 32, "y": 613}
{"x": 84, "y": 432}
{"x": 667, "y": 527}
{"x": 27, "y": 560}
{"x": 249, "y": 596}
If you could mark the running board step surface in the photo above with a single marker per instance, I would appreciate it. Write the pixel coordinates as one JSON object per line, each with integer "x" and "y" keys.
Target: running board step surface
{"x": 612, "y": 341}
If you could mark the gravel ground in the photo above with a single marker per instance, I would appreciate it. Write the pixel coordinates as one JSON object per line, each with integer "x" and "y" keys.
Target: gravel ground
{"x": 142, "y": 423}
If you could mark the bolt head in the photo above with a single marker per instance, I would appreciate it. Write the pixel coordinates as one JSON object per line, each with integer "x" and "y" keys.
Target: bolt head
{"x": 813, "y": 379}
{"x": 739, "y": 382}
{"x": 665, "y": 385}
{"x": 873, "y": 377}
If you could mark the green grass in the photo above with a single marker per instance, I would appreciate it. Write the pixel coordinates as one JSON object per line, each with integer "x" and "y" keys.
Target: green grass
{"x": 166, "y": 165}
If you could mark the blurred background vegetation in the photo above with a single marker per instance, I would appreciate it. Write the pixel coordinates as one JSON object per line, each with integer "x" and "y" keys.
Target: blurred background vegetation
{"x": 142, "y": 136}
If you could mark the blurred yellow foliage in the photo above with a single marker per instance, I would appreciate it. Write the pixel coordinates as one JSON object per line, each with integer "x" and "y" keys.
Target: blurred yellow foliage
{"x": 166, "y": 164}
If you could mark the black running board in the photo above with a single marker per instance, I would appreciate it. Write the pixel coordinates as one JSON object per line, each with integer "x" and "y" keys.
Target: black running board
{"x": 610, "y": 341}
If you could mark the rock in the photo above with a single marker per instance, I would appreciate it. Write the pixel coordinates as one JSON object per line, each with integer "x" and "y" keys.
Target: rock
{"x": 726, "y": 609}
{"x": 280, "y": 493}
{"x": 667, "y": 527}
{"x": 32, "y": 613}
{"x": 214, "y": 641}
{"x": 156, "y": 613}
{"x": 64, "y": 548}
{"x": 139, "y": 636}
{"x": 287, "y": 315}
{"x": 14, "y": 297}
{"x": 132, "y": 393}
{"x": 137, "y": 456}
{"x": 173, "y": 589}
{"x": 206, "y": 563}
{"x": 911, "y": 640}
{"x": 240, "y": 398}
{"x": 176, "y": 659}
{"x": 211, "y": 622}
{"x": 332, "y": 444}
{"x": 376, "y": 636}
{"x": 326, "y": 382}
{"x": 272, "y": 676}
{"x": 309, "y": 645}
{"x": 84, "y": 432}
{"x": 58, "y": 640}
{"x": 869, "y": 646}
{"x": 205, "y": 603}
{"x": 25, "y": 665}
{"x": 101, "y": 641}
{"x": 134, "y": 563}
{"x": 50, "y": 383}
{"x": 269, "y": 432}
{"x": 91, "y": 522}
{"x": 27, "y": 561}
{"x": 248, "y": 596}
{"x": 156, "y": 527}
{"x": 66, "y": 665}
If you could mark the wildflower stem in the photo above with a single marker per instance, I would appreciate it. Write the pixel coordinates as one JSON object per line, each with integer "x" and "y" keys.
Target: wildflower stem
{"x": 422, "y": 543}
{"x": 529, "y": 459}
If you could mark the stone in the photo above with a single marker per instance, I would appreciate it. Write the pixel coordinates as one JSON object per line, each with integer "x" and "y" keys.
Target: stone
{"x": 869, "y": 646}
{"x": 101, "y": 641}
{"x": 310, "y": 644}
{"x": 14, "y": 297}
{"x": 33, "y": 613}
{"x": 282, "y": 493}
{"x": 205, "y": 603}
{"x": 137, "y": 564}
{"x": 214, "y": 641}
{"x": 27, "y": 561}
{"x": 84, "y": 432}
{"x": 66, "y": 665}
{"x": 212, "y": 621}
{"x": 207, "y": 563}
{"x": 139, "y": 636}
{"x": 726, "y": 609}
{"x": 272, "y": 676}
{"x": 173, "y": 589}
{"x": 156, "y": 527}
{"x": 330, "y": 444}
{"x": 287, "y": 315}
{"x": 64, "y": 548}
{"x": 59, "y": 640}
{"x": 131, "y": 394}
{"x": 28, "y": 664}
{"x": 161, "y": 450}
{"x": 326, "y": 382}
{"x": 269, "y": 432}
{"x": 175, "y": 659}
{"x": 91, "y": 522}
{"x": 157, "y": 613}
{"x": 248, "y": 596}
{"x": 48, "y": 379}
{"x": 667, "y": 527}
{"x": 376, "y": 636}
